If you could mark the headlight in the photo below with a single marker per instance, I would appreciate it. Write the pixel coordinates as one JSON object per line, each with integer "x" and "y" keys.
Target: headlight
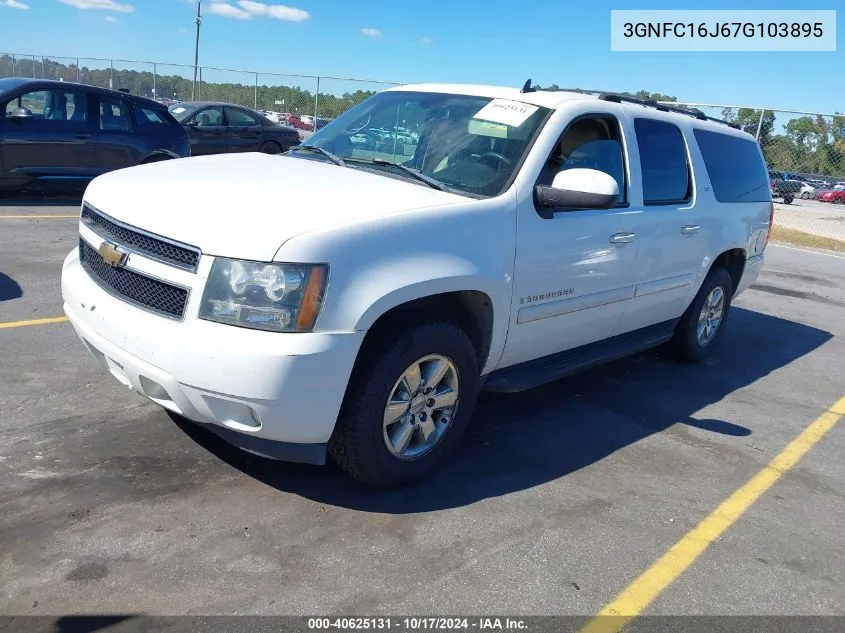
{"x": 275, "y": 297}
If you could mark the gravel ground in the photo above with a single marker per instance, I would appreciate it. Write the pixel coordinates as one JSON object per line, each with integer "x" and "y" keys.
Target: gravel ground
{"x": 813, "y": 217}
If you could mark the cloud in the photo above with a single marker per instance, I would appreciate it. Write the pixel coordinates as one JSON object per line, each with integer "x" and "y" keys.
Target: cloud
{"x": 107, "y": 5}
{"x": 248, "y": 9}
{"x": 277, "y": 11}
{"x": 426, "y": 41}
{"x": 228, "y": 11}
{"x": 110, "y": 19}
{"x": 14, "y": 4}
{"x": 371, "y": 32}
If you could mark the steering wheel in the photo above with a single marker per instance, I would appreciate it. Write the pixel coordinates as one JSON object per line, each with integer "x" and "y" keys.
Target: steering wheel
{"x": 500, "y": 158}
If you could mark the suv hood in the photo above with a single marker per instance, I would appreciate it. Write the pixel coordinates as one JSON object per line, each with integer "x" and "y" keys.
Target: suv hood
{"x": 247, "y": 205}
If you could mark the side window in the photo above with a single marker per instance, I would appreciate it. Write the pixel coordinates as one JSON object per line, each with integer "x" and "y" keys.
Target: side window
{"x": 210, "y": 117}
{"x": 114, "y": 115}
{"x": 663, "y": 160}
{"x": 36, "y": 102}
{"x": 735, "y": 166}
{"x": 52, "y": 105}
{"x": 590, "y": 143}
{"x": 239, "y": 118}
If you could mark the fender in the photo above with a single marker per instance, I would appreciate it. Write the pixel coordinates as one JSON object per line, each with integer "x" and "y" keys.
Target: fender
{"x": 387, "y": 261}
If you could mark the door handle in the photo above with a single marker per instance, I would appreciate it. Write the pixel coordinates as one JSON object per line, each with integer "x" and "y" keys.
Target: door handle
{"x": 84, "y": 137}
{"x": 690, "y": 229}
{"x": 622, "y": 238}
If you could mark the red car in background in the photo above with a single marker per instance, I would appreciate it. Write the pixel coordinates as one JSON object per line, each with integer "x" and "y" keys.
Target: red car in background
{"x": 836, "y": 197}
{"x": 294, "y": 121}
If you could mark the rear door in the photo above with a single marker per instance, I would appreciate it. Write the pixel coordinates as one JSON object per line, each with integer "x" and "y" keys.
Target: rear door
{"x": 117, "y": 142}
{"x": 672, "y": 226}
{"x": 244, "y": 130}
{"x": 208, "y": 132}
{"x": 57, "y": 141}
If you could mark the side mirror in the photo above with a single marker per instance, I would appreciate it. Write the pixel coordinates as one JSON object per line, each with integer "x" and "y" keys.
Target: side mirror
{"x": 577, "y": 189}
{"x": 20, "y": 113}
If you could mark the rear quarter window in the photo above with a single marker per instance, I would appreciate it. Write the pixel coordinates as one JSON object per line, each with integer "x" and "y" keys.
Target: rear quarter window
{"x": 152, "y": 116}
{"x": 735, "y": 167}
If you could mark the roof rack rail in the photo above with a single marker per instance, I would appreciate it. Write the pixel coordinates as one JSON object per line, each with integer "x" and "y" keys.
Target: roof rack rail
{"x": 664, "y": 107}
{"x": 614, "y": 97}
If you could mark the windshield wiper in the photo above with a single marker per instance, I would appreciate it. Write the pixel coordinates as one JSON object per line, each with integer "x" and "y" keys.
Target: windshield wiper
{"x": 431, "y": 182}
{"x": 337, "y": 160}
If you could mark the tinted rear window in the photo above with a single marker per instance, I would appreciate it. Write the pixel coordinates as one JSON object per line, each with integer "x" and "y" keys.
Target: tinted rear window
{"x": 735, "y": 166}
{"x": 663, "y": 160}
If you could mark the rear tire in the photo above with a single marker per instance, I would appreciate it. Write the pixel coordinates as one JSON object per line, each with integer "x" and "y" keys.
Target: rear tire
{"x": 270, "y": 147}
{"x": 364, "y": 428}
{"x": 156, "y": 158}
{"x": 698, "y": 333}
{"x": 788, "y": 199}
{"x": 805, "y": 196}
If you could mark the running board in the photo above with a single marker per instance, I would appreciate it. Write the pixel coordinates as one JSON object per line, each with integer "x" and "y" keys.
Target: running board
{"x": 539, "y": 371}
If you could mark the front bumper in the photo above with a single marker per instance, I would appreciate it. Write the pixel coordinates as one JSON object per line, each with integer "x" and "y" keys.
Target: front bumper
{"x": 254, "y": 387}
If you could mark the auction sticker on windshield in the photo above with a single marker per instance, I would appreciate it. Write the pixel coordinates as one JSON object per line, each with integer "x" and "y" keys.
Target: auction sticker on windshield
{"x": 511, "y": 113}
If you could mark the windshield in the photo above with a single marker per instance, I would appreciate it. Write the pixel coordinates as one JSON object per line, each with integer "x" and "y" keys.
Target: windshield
{"x": 470, "y": 145}
{"x": 180, "y": 111}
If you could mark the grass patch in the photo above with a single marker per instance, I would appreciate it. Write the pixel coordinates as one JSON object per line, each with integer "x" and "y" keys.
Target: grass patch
{"x": 800, "y": 238}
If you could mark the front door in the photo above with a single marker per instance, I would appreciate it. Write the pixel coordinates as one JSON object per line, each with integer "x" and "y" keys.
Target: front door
{"x": 208, "y": 132}
{"x": 56, "y": 139}
{"x": 244, "y": 130}
{"x": 574, "y": 272}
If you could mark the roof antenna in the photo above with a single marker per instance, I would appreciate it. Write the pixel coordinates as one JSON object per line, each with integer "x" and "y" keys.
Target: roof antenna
{"x": 527, "y": 87}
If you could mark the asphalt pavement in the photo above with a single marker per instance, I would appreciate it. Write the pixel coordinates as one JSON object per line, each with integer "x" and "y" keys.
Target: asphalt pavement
{"x": 558, "y": 499}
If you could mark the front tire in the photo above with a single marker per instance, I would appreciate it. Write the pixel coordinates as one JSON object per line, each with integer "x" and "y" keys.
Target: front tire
{"x": 701, "y": 326}
{"x": 408, "y": 402}
{"x": 788, "y": 199}
{"x": 805, "y": 196}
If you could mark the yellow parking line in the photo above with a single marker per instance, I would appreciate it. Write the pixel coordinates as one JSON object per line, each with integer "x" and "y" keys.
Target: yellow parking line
{"x": 36, "y": 217}
{"x": 11, "y": 324}
{"x": 643, "y": 591}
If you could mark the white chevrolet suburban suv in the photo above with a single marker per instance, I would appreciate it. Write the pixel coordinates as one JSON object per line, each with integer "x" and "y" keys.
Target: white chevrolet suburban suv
{"x": 352, "y": 296}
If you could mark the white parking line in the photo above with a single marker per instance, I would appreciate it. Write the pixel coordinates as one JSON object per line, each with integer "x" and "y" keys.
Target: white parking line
{"x": 804, "y": 250}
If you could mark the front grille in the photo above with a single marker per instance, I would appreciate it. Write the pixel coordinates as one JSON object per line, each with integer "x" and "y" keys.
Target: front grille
{"x": 162, "y": 249}
{"x": 145, "y": 292}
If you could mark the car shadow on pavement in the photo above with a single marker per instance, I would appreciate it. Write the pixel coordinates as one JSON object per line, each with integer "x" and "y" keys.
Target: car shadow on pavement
{"x": 518, "y": 441}
{"x": 9, "y": 288}
{"x": 47, "y": 194}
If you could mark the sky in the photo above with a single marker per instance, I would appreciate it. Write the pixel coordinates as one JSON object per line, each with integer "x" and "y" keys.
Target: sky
{"x": 468, "y": 41}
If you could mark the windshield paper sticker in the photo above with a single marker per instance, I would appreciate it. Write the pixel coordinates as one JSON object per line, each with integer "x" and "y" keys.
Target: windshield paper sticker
{"x": 178, "y": 110}
{"x": 511, "y": 113}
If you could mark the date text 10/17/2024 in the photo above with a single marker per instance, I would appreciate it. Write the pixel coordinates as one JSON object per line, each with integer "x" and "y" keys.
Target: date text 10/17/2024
{"x": 417, "y": 623}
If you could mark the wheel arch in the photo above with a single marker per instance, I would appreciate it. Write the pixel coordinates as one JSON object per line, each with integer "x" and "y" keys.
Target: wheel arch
{"x": 733, "y": 260}
{"x": 471, "y": 310}
{"x": 158, "y": 155}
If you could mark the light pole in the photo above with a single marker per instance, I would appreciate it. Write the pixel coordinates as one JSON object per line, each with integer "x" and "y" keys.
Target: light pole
{"x": 197, "y": 47}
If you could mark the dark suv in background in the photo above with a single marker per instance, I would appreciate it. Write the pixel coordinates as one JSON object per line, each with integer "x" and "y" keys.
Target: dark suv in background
{"x": 55, "y": 130}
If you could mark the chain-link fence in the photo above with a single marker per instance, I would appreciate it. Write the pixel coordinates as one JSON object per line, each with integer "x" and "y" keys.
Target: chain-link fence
{"x": 804, "y": 146}
{"x": 305, "y": 101}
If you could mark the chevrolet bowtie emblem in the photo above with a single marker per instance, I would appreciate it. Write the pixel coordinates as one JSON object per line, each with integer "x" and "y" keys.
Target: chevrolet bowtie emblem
{"x": 112, "y": 255}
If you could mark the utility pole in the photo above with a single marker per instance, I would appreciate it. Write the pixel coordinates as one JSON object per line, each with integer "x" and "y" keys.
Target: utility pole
{"x": 197, "y": 48}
